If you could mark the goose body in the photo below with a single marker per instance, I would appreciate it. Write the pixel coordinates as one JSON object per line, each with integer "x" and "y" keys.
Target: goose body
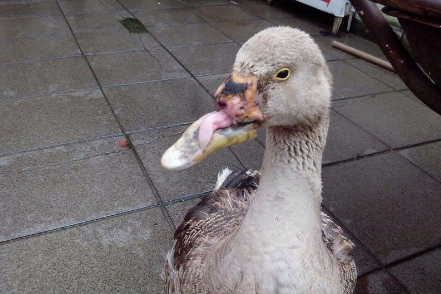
{"x": 265, "y": 232}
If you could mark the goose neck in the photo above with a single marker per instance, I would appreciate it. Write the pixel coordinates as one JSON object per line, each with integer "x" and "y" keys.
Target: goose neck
{"x": 296, "y": 150}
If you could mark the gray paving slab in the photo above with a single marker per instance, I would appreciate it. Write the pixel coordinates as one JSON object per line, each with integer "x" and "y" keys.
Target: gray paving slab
{"x": 426, "y": 157}
{"x": 328, "y": 57}
{"x": 39, "y": 200}
{"x": 421, "y": 275}
{"x": 329, "y": 52}
{"x": 134, "y": 67}
{"x": 223, "y": 13}
{"x": 188, "y": 35}
{"x": 51, "y": 156}
{"x": 108, "y": 41}
{"x": 149, "y": 42}
{"x": 393, "y": 118}
{"x": 250, "y": 2}
{"x": 196, "y": 3}
{"x": 54, "y": 119}
{"x": 118, "y": 255}
{"x": 365, "y": 261}
{"x": 265, "y": 11}
{"x": 295, "y": 22}
{"x": 409, "y": 94}
{"x": 161, "y": 17}
{"x": 151, "y": 145}
{"x": 261, "y": 135}
{"x": 33, "y": 26}
{"x": 70, "y": 7}
{"x": 250, "y": 154}
{"x": 20, "y": 1}
{"x": 45, "y": 77}
{"x": 178, "y": 211}
{"x": 412, "y": 96}
{"x": 379, "y": 282}
{"x": 33, "y": 9}
{"x": 387, "y": 202}
{"x": 157, "y": 104}
{"x": 383, "y": 75}
{"x": 350, "y": 40}
{"x": 241, "y": 31}
{"x": 106, "y": 19}
{"x": 150, "y": 4}
{"x": 350, "y": 82}
{"x": 346, "y": 140}
{"x": 207, "y": 59}
{"x": 38, "y": 48}
{"x": 212, "y": 82}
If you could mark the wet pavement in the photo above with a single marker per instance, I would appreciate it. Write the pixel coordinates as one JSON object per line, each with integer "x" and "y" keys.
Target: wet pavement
{"x": 81, "y": 214}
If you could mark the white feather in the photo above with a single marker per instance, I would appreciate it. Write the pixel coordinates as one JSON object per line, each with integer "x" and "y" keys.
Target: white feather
{"x": 222, "y": 176}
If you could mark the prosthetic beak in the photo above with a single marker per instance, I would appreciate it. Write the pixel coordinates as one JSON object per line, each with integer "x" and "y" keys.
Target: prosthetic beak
{"x": 235, "y": 122}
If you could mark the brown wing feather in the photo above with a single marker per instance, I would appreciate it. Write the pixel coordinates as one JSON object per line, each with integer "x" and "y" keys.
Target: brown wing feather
{"x": 223, "y": 209}
{"x": 342, "y": 248}
{"x": 208, "y": 225}
{"x": 334, "y": 239}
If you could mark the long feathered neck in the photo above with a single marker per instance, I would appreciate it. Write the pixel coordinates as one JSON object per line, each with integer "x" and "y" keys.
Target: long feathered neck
{"x": 286, "y": 208}
{"x": 296, "y": 151}
{"x": 289, "y": 193}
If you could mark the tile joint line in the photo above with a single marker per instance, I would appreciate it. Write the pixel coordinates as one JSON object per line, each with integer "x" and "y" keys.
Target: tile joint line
{"x": 135, "y": 153}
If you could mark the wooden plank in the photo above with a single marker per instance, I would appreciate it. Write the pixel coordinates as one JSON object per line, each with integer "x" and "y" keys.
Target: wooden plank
{"x": 430, "y": 8}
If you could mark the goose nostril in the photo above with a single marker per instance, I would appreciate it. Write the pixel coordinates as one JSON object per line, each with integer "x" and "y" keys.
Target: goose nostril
{"x": 221, "y": 104}
{"x": 240, "y": 111}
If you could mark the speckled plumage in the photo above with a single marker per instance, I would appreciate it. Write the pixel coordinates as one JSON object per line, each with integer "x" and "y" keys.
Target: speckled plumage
{"x": 216, "y": 219}
{"x": 274, "y": 239}
{"x": 206, "y": 227}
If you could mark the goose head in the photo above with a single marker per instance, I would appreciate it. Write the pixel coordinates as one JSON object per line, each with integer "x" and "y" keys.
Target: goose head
{"x": 279, "y": 78}
{"x": 293, "y": 84}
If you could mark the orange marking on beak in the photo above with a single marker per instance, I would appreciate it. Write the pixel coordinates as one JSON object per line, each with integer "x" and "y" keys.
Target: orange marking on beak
{"x": 237, "y": 95}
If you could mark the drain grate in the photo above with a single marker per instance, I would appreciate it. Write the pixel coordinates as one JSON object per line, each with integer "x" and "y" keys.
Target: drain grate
{"x": 133, "y": 25}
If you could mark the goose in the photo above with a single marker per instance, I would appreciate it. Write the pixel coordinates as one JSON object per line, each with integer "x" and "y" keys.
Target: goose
{"x": 263, "y": 232}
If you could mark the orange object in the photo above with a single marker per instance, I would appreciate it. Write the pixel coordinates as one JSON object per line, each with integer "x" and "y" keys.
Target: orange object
{"x": 124, "y": 143}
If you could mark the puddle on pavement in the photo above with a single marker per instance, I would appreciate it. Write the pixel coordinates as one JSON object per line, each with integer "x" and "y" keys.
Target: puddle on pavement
{"x": 133, "y": 25}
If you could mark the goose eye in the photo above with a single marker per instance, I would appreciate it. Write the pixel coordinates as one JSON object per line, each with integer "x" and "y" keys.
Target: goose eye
{"x": 282, "y": 74}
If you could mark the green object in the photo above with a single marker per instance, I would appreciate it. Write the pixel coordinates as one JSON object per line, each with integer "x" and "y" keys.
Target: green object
{"x": 133, "y": 25}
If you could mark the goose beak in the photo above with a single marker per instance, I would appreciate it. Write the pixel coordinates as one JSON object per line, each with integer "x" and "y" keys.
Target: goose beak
{"x": 238, "y": 96}
{"x": 235, "y": 122}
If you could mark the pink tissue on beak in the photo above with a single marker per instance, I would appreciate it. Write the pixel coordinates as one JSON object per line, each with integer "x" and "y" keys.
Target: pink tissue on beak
{"x": 210, "y": 123}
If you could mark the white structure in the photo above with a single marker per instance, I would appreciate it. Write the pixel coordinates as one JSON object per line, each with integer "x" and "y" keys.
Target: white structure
{"x": 339, "y": 8}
